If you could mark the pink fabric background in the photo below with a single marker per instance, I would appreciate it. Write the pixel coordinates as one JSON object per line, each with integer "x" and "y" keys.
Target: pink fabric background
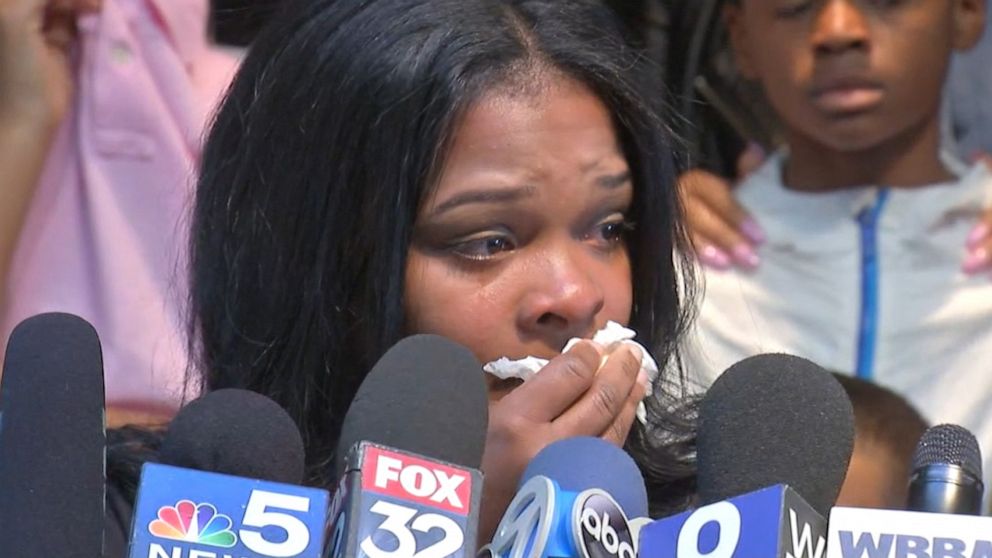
{"x": 105, "y": 234}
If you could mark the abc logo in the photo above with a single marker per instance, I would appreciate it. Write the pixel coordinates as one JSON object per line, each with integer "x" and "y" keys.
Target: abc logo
{"x": 526, "y": 526}
{"x": 602, "y": 530}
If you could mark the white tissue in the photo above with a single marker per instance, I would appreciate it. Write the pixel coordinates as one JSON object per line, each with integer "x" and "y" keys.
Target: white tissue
{"x": 610, "y": 338}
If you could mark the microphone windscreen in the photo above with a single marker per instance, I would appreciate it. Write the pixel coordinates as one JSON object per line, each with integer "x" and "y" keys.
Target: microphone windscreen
{"x": 949, "y": 444}
{"x": 772, "y": 419}
{"x": 117, "y": 523}
{"x": 235, "y": 432}
{"x": 580, "y": 463}
{"x": 426, "y": 395}
{"x": 52, "y": 439}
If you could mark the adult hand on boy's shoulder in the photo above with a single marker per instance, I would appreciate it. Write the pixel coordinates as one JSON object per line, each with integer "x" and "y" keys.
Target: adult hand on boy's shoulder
{"x": 723, "y": 233}
{"x": 979, "y": 256}
{"x": 985, "y": 158}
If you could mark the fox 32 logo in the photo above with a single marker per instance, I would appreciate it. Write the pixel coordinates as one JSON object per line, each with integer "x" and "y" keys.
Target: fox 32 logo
{"x": 412, "y": 507}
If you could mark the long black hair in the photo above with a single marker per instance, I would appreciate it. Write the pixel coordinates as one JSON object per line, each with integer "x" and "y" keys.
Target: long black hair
{"x": 330, "y": 137}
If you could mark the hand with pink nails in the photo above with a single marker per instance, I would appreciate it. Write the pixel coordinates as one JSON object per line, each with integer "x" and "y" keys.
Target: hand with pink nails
{"x": 984, "y": 158}
{"x": 979, "y": 256}
{"x": 723, "y": 233}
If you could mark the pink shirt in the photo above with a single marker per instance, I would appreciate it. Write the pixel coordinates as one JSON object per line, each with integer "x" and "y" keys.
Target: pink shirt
{"x": 105, "y": 235}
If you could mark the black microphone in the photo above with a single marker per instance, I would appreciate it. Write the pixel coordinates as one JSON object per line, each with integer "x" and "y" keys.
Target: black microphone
{"x": 408, "y": 457}
{"x": 775, "y": 419}
{"x": 773, "y": 429}
{"x": 52, "y": 440}
{"x": 235, "y": 432}
{"x": 947, "y": 472}
{"x": 227, "y": 484}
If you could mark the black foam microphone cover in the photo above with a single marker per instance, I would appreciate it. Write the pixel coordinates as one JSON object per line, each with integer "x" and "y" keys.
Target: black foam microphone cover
{"x": 117, "y": 523}
{"x": 775, "y": 419}
{"x": 52, "y": 440}
{"x": 235, "y": 432}
{"x": 426, "y": 395}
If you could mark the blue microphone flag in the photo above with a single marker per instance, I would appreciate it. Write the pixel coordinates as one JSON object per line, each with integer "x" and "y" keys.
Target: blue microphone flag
{"x": 773, "y": 522}
{"x": 184, "y": 513}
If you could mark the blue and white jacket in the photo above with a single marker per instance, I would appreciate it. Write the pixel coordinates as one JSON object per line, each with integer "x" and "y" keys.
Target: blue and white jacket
{"x": 865, "y": 281}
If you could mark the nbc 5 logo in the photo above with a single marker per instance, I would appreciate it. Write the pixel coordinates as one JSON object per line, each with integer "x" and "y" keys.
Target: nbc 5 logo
{"x": 426, "y": 513}
{"x": 200, "y": 523}
{"x": 222, "y": 516}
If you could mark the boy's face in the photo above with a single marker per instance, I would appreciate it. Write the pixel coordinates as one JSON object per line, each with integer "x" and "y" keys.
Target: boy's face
{"x": 852, "y": 74}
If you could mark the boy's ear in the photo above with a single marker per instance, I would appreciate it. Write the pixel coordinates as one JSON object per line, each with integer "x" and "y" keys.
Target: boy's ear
{"x": 969, "y": 22}
{"x": 733, "y": 20}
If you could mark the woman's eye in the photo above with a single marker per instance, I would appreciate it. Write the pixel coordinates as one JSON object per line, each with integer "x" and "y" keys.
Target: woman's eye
{"x": 612, "y": 232}
{"x": 483, "y": 248}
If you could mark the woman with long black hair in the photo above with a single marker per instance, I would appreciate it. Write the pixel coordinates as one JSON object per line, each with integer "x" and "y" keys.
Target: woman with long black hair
{"x": 495, "y": 171}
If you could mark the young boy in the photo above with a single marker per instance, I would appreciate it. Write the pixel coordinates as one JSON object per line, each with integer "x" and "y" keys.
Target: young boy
{"x": 865, "y": 219}
{"x": 886, "y": 431}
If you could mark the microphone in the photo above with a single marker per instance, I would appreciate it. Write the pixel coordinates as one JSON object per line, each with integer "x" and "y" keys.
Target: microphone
{"x": 227, "y": 485}
{"x": 584, "y": 462}
{"x": 945, "y": 496}
{"x": 52, "y": 439}
{"x": 947, "y": 472}
{"x": 771, "y": 428}
{"x": 574, "y": 500}
{"x": 224, "y": 431}
{"x": 408, "y": 456}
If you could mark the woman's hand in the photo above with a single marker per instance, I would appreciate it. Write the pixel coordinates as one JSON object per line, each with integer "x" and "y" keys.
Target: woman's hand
{"x": 723, "y": 233}
{"x": 570, "y": 397}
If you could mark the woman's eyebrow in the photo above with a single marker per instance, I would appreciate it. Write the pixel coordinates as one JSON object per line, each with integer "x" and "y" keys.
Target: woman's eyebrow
{"x": 491, "y": 195}
{"x": 611, "y": 181}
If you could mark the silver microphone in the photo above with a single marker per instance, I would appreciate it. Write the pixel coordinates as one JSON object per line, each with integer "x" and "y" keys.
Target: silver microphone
{"x": 947, "y": 472}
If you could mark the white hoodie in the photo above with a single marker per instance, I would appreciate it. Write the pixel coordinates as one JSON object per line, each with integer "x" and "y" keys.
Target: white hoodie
{"x": 864, "y": 281}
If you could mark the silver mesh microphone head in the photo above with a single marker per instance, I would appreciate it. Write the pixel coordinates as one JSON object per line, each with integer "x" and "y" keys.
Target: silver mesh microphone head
{"x": 947, "y": 472}
{"x": 949, "y": 444}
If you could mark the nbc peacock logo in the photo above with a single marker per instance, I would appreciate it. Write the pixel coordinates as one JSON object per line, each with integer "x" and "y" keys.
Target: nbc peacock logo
{"x": 196, "y": 523}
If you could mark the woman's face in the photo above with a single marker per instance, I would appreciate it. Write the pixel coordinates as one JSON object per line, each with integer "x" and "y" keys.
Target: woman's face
{"x": 521, "y": 247}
